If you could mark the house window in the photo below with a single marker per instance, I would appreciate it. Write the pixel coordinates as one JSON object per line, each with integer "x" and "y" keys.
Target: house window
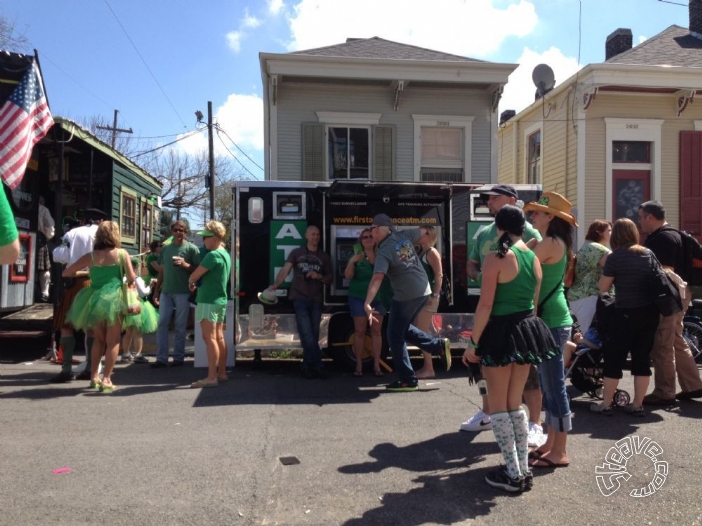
{"x": 127, "y": 214}
{"x": 631, "y": 152}
{"x": 348, "y": 150}
{"x": 146, "y": 224}
{"x": 534, "y": 161}
{"x": 442, "y": 154}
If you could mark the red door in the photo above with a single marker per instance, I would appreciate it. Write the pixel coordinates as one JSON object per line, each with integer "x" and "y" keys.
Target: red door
{"x": 691, "y": 182}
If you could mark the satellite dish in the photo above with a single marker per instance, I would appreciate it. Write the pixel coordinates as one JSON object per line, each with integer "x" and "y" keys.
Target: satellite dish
{"x": 543, "y": 79}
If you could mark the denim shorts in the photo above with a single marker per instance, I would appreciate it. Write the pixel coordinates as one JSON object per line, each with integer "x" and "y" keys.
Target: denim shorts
{"x": 356, "y": 307}
{"x": 210, "y": 312}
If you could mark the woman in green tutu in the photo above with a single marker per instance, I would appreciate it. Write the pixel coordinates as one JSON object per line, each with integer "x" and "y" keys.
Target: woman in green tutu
{"x": 99, "y": 307}
{"x": 135, "y": 326}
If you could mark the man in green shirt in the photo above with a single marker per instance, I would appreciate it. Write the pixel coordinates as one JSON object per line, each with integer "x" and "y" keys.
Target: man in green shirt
{"x": 486, "y": 242}
{"x": 9, "y": 237}
{"x": 178, "y": 260}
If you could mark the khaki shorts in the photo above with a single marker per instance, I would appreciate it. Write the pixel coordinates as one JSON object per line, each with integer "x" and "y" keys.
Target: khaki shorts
{"x": 532, "y": 380}
{"x": 210, "y": 312}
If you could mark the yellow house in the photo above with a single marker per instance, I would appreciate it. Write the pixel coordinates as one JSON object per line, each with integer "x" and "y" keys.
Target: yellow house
{"x": 618, "y": 133}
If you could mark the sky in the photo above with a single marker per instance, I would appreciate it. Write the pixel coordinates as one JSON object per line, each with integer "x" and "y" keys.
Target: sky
{"x": 158, "y": 61}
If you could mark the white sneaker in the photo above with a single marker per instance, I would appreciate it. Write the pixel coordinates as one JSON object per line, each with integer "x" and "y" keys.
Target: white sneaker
{"x": 480, "y": 422}
{"x": 536, "y": 437}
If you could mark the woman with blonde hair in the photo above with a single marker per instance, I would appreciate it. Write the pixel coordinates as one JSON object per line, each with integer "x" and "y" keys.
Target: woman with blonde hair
{"x": 359, "y": 271}
{"x": 629, "y": 268}
{"x": 99, "y": 307}
{"x": 210, "y": 280}
{"x": 430, "y": 259}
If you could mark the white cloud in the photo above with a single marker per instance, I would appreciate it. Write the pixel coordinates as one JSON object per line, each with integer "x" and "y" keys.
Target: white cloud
{"x": 234, "y": 41}
{"x": 519, "y": 91}
{"x": 241, "y": 117}
{"x": 275, "y": 6}
{"x": 642, "y": 39}
{"x": 249, "y": 21}
{"x": 472, "y": 28}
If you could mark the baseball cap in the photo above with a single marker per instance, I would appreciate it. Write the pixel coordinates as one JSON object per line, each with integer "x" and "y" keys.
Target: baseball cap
{"x": 384, "y": 220}
{"x": 500, "y": 189}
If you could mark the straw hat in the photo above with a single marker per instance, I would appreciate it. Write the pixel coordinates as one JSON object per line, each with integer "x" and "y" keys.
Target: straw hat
{"x": 554, "y": 204}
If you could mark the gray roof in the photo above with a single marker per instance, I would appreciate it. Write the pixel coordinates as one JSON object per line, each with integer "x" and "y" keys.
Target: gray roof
{"x": 674, "y": 46}
{"x": 379, "y": 48}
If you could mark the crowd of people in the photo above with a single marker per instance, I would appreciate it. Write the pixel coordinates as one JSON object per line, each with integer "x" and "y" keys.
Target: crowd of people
{"x": 526, "y": 326}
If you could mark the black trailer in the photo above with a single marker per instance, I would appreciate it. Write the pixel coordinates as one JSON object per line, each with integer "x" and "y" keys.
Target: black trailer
{"x": 270, "y": 221}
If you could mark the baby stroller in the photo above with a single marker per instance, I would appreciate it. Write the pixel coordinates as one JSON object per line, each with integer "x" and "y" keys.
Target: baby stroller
{"x": 586, "y": 369}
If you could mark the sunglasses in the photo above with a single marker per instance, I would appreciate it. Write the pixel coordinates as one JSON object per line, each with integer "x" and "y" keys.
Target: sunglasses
{"x": 366, "y": 237}
{"x": 178, "y": 230}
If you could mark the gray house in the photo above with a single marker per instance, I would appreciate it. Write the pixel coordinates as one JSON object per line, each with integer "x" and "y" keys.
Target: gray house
{"x": 381, "y": 110}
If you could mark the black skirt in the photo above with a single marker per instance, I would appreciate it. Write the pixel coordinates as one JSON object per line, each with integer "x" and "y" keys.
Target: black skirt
{"x": 519, "y": 338}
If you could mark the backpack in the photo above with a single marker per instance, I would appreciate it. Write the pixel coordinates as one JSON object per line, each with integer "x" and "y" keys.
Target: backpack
{"x": 664, "y": 292}
{"x": 691, "y": 271}
{"x": 692, "y": 253}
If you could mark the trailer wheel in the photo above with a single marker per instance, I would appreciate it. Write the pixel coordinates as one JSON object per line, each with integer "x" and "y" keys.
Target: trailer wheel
{"x": 341, "y": 339}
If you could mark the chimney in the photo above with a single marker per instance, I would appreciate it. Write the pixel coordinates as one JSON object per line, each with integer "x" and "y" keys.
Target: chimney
{"x": 506, "y": 115}
{"x": 695, "y": 10}
{"x": 618, "y": 42}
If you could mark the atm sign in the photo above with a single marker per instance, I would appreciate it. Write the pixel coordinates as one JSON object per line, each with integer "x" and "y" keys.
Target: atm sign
{"x": 286, "y": 236}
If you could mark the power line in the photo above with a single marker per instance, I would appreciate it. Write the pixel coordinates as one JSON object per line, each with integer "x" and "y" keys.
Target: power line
{"x": 44, "y": 55}
{"x": 186, "y": 136}
{"x": 219, "y": 128}
{"x": 145, "y": 64}
{"x": 232, "y": 154}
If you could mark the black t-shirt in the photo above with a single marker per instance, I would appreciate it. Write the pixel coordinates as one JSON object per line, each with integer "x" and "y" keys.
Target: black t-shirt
{"x": 632, "y": 277}
{"x": 666, "y": 244}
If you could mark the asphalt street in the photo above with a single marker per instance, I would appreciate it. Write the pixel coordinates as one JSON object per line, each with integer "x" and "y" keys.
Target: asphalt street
{"x": 158, "y": 452}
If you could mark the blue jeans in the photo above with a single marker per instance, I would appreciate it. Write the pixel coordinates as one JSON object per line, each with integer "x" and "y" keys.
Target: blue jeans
{"x": 167, "y": 303}
{"x": 552, "y": 379}
{"x": 308, "y": 315}
{"x": 400, "y": 331}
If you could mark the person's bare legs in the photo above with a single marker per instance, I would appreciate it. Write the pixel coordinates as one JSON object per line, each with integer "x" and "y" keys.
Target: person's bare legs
{"x": 127, "y": 340}
{"x": 423, "y": 323}
{"x": 138, "y": 342}
{"x": 99, "y": 340}
{"x": 209, "y": 336}
{"x": 534, "y": 400}
{"x": 359, "y": 328}
{"x": 377, "y": 343}
{"x": 640, "y": 388}
{"x": 223, "y": 351}
{"x": 112, "y": 336}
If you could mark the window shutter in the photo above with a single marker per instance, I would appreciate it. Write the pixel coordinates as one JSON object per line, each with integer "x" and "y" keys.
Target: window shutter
{"x": 312, "y": 152}
{"x": 383, "y": 153}
{"x": 691, "y": 182}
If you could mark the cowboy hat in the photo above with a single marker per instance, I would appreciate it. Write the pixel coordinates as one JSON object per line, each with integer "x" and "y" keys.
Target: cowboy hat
{"x": 554, "y": 204}
{"x": 268, "y": 297}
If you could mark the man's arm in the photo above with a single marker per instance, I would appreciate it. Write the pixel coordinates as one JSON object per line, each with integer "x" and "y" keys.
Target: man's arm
{"x": 473, "y": 269}
{"x": 280, "y": 278}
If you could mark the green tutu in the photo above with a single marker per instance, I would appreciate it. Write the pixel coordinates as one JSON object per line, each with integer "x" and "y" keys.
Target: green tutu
{"x": 146, "y": 322}
{"x": 93, "y": 306}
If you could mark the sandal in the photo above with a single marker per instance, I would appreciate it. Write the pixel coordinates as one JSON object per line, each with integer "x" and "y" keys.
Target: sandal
{"x": 107, "y": 389}
{"x": 358, "y": 373}
{"x": 94, "y": 384}
{"x": 634, "y": 411}
{"x": 222, "y": 378}
{"x": 378, "y": 373}
{"x": 203, "y": 383}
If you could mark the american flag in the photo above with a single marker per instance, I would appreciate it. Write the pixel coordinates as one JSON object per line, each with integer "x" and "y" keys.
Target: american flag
{"x": 24, "y": 119}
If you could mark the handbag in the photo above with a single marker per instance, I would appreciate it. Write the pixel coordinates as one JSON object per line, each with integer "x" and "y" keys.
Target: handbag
{"x": 569, "y": 276}
{"x": 131, "y": 305}
{"x": 664, "y": 292}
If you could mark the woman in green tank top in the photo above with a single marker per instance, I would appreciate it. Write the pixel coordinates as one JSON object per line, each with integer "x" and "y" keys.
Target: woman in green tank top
{"x": 507, "y": 339}
{"x": 551, "y": 216}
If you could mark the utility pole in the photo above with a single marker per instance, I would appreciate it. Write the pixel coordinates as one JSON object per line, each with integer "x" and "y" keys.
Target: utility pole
{"x": 114, "y": 129}
{"x": 211, "y": 159}
{"x": 179, "y": 196}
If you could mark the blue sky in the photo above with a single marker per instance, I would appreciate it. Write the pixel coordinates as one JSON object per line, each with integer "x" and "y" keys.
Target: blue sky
{"x": 198, "y": 51}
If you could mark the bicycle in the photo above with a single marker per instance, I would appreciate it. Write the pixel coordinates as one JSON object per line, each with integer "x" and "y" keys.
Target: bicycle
{"x": 692, "y": 330}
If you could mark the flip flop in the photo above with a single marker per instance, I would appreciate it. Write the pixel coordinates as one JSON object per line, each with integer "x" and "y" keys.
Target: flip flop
{"x": 533, "y": 455}
{"x": 357, "y": 373}
{"x": 378, "y": 373}
{"x": 107, "y": 389}
{"x": 546, "y": 463}
{"x": 223, "y": 379}
{"x": 203, "y": 383}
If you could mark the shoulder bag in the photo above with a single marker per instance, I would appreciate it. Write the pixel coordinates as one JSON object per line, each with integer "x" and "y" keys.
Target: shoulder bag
{"x": 131, "y": 306}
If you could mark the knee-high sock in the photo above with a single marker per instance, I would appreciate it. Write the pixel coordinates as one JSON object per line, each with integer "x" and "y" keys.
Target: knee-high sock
{"x": 68, "y": 343}
{"x": 520, "y": 424}
{"x": 504, "y": 434}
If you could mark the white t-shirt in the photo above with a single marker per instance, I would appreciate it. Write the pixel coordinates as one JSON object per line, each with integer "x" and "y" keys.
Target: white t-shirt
{"x": 76, "y": 243}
